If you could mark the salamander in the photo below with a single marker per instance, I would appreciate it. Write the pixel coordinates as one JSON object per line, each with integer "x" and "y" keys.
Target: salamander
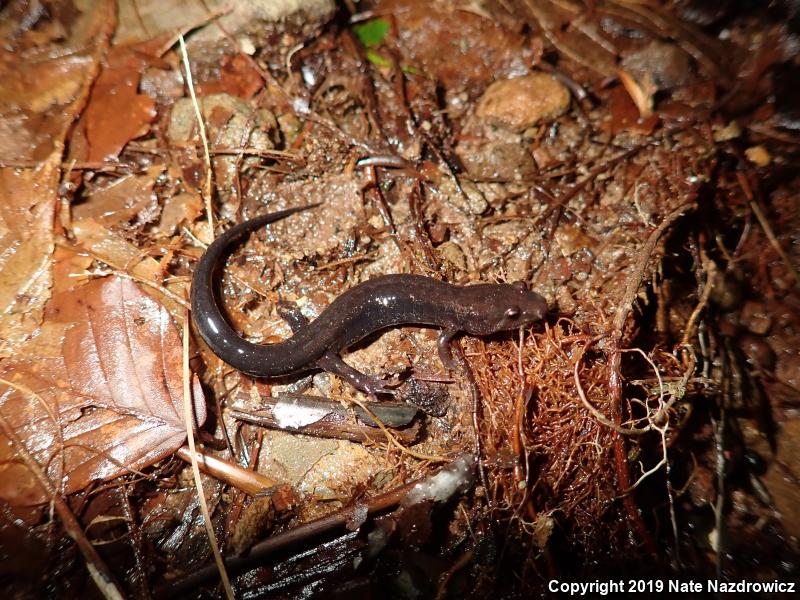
{"x": 376, "y": 304}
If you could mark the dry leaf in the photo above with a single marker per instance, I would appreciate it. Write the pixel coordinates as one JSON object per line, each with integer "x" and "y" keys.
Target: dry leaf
{"x": 43, "y": 88}
{"x": 126, "y": 197}
{"x": 236, "y": 77}
{"x": 41, "y": 92}
{"x": 117, "y": 112}
{"x": 98, "y": 393}
{"x": 624, "y": 114}
{"x": 641, "y": 92}
{"x": 26, "y": 245}
{"x": 122, "y": 255}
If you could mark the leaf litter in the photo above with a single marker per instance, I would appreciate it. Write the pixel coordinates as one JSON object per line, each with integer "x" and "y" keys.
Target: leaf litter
{"x": 631, "y": 186}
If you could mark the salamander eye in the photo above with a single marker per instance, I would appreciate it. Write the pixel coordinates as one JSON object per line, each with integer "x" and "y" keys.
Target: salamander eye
{"x": 513, "y": 312}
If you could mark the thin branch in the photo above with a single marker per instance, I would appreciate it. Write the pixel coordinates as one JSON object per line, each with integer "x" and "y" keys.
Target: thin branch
{"x": 98, "y": 570}
{"x": 203, "y": 137}
{"x": 188, "y": 416}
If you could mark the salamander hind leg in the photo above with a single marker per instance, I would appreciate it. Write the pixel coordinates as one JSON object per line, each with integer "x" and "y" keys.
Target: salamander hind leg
{"x": 445, "y": 352}
{"x": 333, "y": 363}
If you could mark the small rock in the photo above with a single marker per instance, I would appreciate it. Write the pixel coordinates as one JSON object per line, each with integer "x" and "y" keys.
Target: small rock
{"x": 758, "y": 155}
{"x": 731, "y": 131}
{"x": 758, "y": 351}
{"x": 662, "y": 63}
{"x": 230, "y": 121}
{"x": 476, "y": 202}
{"x": 756, "y": 317}
{"x": 542, "y": 157}
{"x": 453, "y": 255}
{"x": 787, "y": 368}
{"x": 499, "y": 161}
{"x": 163, "y": 85}
{"x": 520, "y": 103}
{"x": 726, "y": 292}
{"x": 571, "y": 239}
{"x": 566, "y": 303}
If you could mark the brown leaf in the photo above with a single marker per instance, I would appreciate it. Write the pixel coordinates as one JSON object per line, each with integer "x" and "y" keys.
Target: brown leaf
{"x": 468, "y": 56}
{"x": 99, "y": 393}
{"x": 625, "y": 116}
{"x": 119, "y": 253}
{"x": 180, "y": 208}
{"x": 26, "y": 244}
{"x": 41, "y": 91}
{"x": 573, "y": 36}
{"x": 117, "y": 112}
{"x": 126, "y": 197}
{"x": 236, "y": 77}
{"x": 67, "y": 263}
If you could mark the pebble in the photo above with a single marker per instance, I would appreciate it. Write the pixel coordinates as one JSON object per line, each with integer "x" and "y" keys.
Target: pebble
{"x": 662, "y": 63}
{"x": 520, "y": 103}
{"x": 453, "y": 255}
{"x": 756, "y": 317}
{"x": 497, "y": 161}
{"x": 758, "y": 155}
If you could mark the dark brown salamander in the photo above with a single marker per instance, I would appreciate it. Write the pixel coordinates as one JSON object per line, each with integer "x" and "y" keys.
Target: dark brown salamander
{"x": 376, "y": 304}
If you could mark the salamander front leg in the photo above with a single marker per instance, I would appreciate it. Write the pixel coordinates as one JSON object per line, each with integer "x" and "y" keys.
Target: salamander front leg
{"x": 290, "y": 313}
{"x": 445, "y": 352}
{"x": 373, "y": 386}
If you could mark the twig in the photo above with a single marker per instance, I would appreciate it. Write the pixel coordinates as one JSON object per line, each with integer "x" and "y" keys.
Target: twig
{"x": 755, "y": 206}
{"x": 762, "y": 220}
{"x": 596, "y": 413}
{"x": 249, "y": 481}
{"x": 260, "y": 551}
{"x": 98, "y": 570}
{"x": 390, "y": 436}
{"x": 615, "y": 377}
{"x": 203, "y": 137}
{"x": 346, "y": 261}
{"x": 711, "y": 272}
{"x": 151, "y": 284}
{"x": 188, "y": 416}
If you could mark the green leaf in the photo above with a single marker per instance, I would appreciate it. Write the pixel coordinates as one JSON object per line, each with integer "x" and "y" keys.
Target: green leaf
{"x": 378, "y": 60}
{"x": 372, "y": 32}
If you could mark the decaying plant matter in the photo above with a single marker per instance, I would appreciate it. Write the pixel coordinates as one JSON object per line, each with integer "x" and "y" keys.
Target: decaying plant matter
{"x": 633, "y": 162}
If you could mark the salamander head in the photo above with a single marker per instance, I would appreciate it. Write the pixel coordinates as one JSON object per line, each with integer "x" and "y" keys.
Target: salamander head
{"x": 505, "y": 306}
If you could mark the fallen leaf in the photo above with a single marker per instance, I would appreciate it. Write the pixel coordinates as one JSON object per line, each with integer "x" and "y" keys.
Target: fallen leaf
{"x": 26, "y": 245}
{"x": 372, "y": 32}
{"x": 576, "y": 38}
{"x": 758, "y": 155}
{"x": 121, "y": 200}
{"x": 141, "y": 20}
{"x": 41, "y": 92}
{"x": 98, "y": 392}
{"x": 641, "y": 92}
{"x": 180, "y": 208}
{"x": 114, "y": 250}
{"x": 625, "y": 116}
{"x": 468, "y": 57}
{"x": 236, "y": 76}
{"x": 67, "y": 263}
{"x": 42, "y": 89}
{"x": 117, "y": 112}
